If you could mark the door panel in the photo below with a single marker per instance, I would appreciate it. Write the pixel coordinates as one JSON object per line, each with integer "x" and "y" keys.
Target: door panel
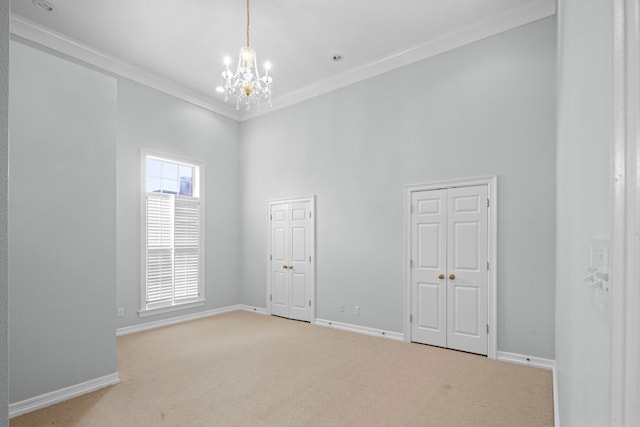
{"x": 279, "y": 301}
{"x": 299, "y": 213}
{"x": 428, "y": 298}
{"x": 298, "y": 244}
{"x": 280, "y": 213}
{"x": 429, "y": 206}
{"x": 467, "y": 303}
{"x": 466, "y": 240}
{"x": 429, "y": 245}
{"x": 279, "y": 243}
{"x": 298, "y": 292}
{"x": 467, "y": 255}
{"x": 429, "y": 314}
{"x": 467, "y": 203}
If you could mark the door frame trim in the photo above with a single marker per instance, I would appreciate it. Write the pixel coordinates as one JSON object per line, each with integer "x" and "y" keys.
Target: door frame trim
{"x": 625, "y": 244}
{"x": 492, "y": 239}
{"x": 312, "y": 207}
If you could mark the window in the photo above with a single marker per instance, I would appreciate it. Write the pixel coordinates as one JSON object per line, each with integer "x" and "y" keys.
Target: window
{"x": 172, "y": 238}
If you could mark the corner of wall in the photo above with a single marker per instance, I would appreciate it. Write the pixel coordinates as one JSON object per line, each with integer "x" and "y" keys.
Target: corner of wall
{"x": 4, "y": 167}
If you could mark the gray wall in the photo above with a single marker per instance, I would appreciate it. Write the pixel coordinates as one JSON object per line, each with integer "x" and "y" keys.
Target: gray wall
{"x": 74, "y": 253}
{"x": 62, "y": 222}
{"x": 483, "y": 109}
{"x": 583, "y": 206}
{"x": 4, "y": 168}
{"x": 154, "y": 121}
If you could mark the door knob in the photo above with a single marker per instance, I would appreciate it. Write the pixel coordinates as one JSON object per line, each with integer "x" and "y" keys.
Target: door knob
{"x": 441, "y": 276}
{"x": 452, "y": 276}
{"x": 291, "y": 267}
{"x": 285, "y": 266}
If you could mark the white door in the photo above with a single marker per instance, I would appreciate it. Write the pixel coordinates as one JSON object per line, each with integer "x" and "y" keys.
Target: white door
{"x": 450, "y": 268}
{"x": 291, "y": 260}
{"x": 429, "y": 292}
{"x": 279, "y": 261}
{"x": 467, "y": 268}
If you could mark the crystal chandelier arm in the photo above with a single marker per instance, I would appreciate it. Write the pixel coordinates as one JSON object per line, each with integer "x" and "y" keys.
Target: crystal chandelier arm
{"x": 256, "y": 72}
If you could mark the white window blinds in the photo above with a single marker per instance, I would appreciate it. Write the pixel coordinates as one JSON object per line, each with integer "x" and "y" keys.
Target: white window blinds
{"x": 187, "y": 245}
{"x": 173, "y": 250}
{"x": 159, "y": 247}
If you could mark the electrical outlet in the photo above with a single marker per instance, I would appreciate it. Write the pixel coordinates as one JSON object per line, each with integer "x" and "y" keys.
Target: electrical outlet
{"x": 357, "y": 310}
{"x": 341, "y": 307}
{"x": 120, "y": 311}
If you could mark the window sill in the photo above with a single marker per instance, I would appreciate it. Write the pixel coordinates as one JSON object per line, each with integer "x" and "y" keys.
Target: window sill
{"x": 169, "y": 309}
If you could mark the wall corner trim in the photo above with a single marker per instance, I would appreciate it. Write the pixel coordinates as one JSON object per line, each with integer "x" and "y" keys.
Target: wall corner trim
{"x": 556, "y": 401}
{"x": 390, "y": 335}
{"x": 57, "y": 396}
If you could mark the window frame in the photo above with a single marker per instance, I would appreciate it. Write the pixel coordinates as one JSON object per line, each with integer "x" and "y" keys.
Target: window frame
{"x": 199, "y": 189}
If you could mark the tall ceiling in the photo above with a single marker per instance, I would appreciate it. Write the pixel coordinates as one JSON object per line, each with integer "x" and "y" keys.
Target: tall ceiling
{"x": 180, "y": 45}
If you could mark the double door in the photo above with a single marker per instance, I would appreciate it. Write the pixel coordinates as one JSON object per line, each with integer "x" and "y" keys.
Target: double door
{"x": 291, "y": 257}
{"x": 449, "y": 268}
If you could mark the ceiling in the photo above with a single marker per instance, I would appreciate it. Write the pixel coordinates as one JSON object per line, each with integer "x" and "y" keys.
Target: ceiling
{"x": 179, "y": 46}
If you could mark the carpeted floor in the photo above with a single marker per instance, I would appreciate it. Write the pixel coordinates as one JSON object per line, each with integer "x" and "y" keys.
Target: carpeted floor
{"x": 245, "y": 369}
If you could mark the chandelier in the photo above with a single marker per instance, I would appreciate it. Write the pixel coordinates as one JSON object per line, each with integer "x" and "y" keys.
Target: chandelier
{"x": 246, "y": 84}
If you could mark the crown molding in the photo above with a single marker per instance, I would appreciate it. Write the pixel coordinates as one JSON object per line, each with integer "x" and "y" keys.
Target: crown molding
{"x": 75, "y": 49}
{"x": 512, "y": 18}
{"x": 515, "y": 17}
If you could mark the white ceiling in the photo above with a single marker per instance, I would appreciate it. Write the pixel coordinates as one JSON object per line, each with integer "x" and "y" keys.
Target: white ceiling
{"x": 178, "y": 46}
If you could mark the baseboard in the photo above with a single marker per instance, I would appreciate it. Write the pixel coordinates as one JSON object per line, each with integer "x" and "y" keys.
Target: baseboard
{"x": 252, "y": 309}
{"x": 395, "y": 336}
{"x": 178, "y": 319}
{"x": 556, "y": 402}
{"x": 521, "y": 359}
{"x": 57, "y": 396}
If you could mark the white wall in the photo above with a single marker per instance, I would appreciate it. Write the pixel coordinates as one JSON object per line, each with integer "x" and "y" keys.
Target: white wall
{"x": 483, "y": 109}
{"x": 4, "y": 168}
{"x": 155, "y": 121}
{"x": 62, "y": 223}
{"x": 583, "y": 206}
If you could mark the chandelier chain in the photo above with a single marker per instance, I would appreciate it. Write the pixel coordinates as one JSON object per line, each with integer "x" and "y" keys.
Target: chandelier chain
{"x": 247, "y": 23}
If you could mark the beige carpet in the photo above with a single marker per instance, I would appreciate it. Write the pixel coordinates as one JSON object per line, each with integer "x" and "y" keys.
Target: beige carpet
{"x": 245, "y": 369}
